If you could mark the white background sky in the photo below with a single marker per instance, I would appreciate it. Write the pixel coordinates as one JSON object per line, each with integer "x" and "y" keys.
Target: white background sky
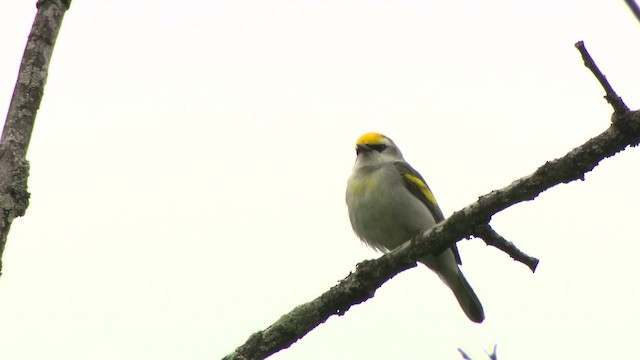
{"x": 189, "y": 160}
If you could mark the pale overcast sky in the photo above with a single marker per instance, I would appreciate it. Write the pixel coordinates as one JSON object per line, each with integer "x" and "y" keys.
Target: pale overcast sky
{"x": 189, "y": 161}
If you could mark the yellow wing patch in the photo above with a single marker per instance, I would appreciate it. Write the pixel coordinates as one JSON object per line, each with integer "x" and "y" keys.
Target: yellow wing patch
{"x": 371, "y": 138}
{"x": 424, "y": 189}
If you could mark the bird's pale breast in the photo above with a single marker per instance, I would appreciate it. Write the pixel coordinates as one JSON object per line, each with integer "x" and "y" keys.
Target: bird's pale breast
{"x": 383, "y": 213}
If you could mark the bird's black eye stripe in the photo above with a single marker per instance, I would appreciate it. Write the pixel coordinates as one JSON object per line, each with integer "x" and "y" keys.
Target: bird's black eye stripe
{"x": 378, "y": 147}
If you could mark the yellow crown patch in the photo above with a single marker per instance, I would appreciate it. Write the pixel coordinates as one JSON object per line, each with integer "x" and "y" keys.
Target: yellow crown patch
{"x": 371, "y": 138}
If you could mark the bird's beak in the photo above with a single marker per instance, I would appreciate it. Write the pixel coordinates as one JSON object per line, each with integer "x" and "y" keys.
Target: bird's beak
{"x": 360, "y": 148}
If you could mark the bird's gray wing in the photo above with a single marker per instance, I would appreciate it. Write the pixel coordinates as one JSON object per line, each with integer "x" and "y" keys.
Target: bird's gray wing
{"x": 416, "y": 184}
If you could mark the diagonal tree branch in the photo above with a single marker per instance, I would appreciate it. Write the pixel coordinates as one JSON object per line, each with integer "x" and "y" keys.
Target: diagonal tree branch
{"x": 369, "y": 275}
{"x": 27, "y": 95}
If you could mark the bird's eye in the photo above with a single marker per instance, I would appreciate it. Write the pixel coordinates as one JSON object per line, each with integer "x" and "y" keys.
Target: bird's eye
{"x": 378, "y": 147}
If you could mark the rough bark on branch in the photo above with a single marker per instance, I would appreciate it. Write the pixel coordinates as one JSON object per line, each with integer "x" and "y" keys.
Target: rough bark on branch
{"x": 369, "y": 275}
{"x": 27, "y": 95}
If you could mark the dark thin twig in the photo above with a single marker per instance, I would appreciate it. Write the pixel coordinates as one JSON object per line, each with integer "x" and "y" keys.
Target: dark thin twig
{"x": 464, "y": 354}
{"x": 494, "y": 353}
{"x": 492, "y": 356}
{"x": 619, "y": 107}
{"x": 491, "y": 237}
{"x": 635, "y": 9}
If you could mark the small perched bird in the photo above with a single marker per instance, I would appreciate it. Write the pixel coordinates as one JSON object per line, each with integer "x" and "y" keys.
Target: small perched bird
{"x": 389, "y": 203}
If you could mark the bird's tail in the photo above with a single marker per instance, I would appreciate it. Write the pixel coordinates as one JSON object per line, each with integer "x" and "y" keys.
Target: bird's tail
{"x": 447, "y": 269}
{"x": 467, "y": 299}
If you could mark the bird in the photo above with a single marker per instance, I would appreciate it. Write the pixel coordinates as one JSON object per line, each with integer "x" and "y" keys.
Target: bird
{"x": 389, "y": 203}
